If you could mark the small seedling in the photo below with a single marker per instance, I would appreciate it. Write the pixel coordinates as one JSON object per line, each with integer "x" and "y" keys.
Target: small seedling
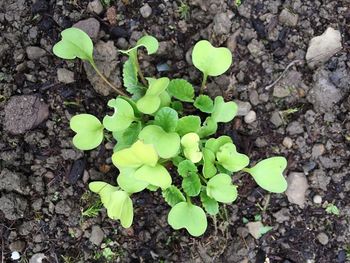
{"x": 184, "y": 10}
{"x": 332, "y": 209}
{"x": 92, "y": 210}
{"x": 155, "y": 140}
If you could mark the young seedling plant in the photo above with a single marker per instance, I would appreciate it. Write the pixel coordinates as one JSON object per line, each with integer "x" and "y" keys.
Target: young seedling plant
{"x": 153, "y": 135}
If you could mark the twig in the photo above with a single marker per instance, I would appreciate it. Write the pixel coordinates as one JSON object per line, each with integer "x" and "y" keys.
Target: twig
{"x": 283, "y": 73}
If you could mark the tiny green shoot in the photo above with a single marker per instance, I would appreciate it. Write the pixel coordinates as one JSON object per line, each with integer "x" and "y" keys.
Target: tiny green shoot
{"x": 332, "y": 209}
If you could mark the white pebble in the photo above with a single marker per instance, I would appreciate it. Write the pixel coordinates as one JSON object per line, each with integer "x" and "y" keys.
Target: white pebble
{"x": 15, "y": 255}
{"x": 317, "y": 199}
{"x": 287, "y": 142}
{"x": 250, "y": 117}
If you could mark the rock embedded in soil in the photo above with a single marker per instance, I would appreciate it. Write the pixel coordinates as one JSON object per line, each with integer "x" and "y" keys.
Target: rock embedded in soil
{"x": 317, "y": 199}
{"x": 97, "y": 235}
{"x": 250, "y": 117}
{"x": 65, "y": 76}
{"x": 90, "y": 26}
{"x": 288, "y": 18}
{"x": 222, "y": 24}
{"x": 323, "y": 238}
{"x": 105, "y": 54}
{"x": 282, "y": 215}
{"x": 13, "y": 206}
{"x": 243, "y": 107}
{"x": 295, "y": 128}
{"x": 254, "y": 229}
{"x": 10, "y": 181}
{"x": 276, "y": 119}
{"x": 323, "y": 47}
{"x": 297, "y": 186}
{"x": 23, "y": 113}
{"x": 34, "y": 53}
{"x": 37, "y": 258}
{"x": 318, "y": 150}
{"x": 95, "y": 6}
{"x": 287, "y": 142}
{"x": 146, "y": 10}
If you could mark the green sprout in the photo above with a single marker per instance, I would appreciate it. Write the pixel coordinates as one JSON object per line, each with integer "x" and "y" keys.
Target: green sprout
{"x": 92, "y": 210}
{"x": 184, "y": 10}
{"x": 332, "y": 209}
{"x": 153, "y": 136}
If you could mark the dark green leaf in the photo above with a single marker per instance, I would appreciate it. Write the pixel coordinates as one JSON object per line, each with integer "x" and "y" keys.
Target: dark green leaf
{"x": 172, "y": 195}
{"x": 186, "y": 167}
{"x": 166, "y": 118}
{"x": 177, "y": 105}
{"x": 127, "y": 137}
{"x": 210, "y": 205}
{"x": 188, "y": 124}
{"x": 192, "y": 184}
{"x": 204, "y": 103}
{"x": 130, "y": 79}
{"x": 181, "y": 89}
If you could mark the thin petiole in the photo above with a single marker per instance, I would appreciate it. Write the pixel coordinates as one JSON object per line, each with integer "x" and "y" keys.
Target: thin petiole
{"x": 204, "y": 83}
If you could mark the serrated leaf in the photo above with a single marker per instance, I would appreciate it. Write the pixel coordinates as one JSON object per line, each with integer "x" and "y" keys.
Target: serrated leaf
{"x": 220, "y": 188}
{"x": 89, "y": 131}
{"x": 186, "y": 167}
{"x": 130, "y": 79}
{"x": 204, "y": 103}
{"x": 172, "y": 195}
{"x": 210, "y": 205}
{"x": 166, "y": 118}
{"x": 188, "y": 124}
{"x": 209, "y": 127}
{"x": 191, "y": 184}
{"x": 188, "y": 216}
{"x": 127, "y": 137}
{"x": 230, "y": 159}
{"x": 181, "y": 89}
{"x": 224, "y": 111}
{"x": 123, "y": 115}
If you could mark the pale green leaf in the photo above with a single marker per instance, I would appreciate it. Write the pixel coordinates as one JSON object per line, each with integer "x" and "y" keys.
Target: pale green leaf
{"x": 75, "y": 43}
{"x": 149, "y": 42}
{"x": 210, "y": 205}
{"x": 210, "y": 60}
{"x": 190, "y": 145}
{"x": 166, "y": 144}
{"x": 120, "y": 207}
{"x": 123, "y": 115}
{"x": 188, "y": 124}
{"x": 186, "y": 167}
{"x": 209, "y": 169}
{"x": 166, "y": 118}
{"x": 215, "y": 144}
{"x": 220, "y": 188}
{"x": 129, "y": 183}
{"x": 191, "y": 184}
{"x": 172, "y": 195}
{"x": 268, "y": 174}
{"x": 130, "y": 79}
{"x": 224, "y": 111}
{"x": 230, "y": 159}
{"x": 181, "y": 89}
{"x": 209, "y": 127}
{"x": 127, "y": 137}
{"x": 156, "y": 175}
{"x": 188, "y": 216}
{"x": 204, "y": 103}
{"x": 103, "y": 189}
{"x": 89, "y": 131}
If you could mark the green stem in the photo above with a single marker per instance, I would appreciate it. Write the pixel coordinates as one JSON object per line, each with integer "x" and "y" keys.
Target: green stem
{"x": 142, "y": 77}
{"x": 188, "y": 199}
{"x": 120, "y": 92}
{"x": 203, "y": 179}
{"x": 204, "y": 82}
{"x": 247, "y": 170}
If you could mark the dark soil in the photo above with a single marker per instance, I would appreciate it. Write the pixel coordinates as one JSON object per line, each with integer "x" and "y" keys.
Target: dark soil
{"x": 43, "y": 181}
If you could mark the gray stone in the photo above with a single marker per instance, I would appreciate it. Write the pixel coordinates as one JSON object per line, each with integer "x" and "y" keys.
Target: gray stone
{"x": 287, "y": 142}
{"x": 254, "y": 97}
{"x": 323, "y": 47}
{"x": 323, "y": 238}
{"x": 276, "y": 119}
{"x": 34, "y": 53}
{"x": 95, "y": 6}
{"x": 146, "y": 10}
{"x": 318, "y": 150}
{"x": 256, "y": 48}
{"x": 254, "y": 229}
{"x": 320, "y": 180}
{"x": 23, "y": 113}
{"x": 324, "y": 95}
{"x": 250, "y": 117}
{"x": 65, "y": 76}
{"x": 282, "y": 215}
{"x": 17, "y": 246}
{"x": 297, "y": 186}
{"x": 63, "y": 207}
{"x": 37, "y": 258}
{"x": 105, "y": 54}
{"x": 97, "y": 235}
{"x": 222, "y": 24}
{"x": 243, "y": 107}
{"x": 13, "y": 206}
{"x": 90, "y": 26}
{"x": 295, "y": 128}
{"x": 10, "y": 181}
{"x": 280, "y": 91}
{"x": 288, "y": 18}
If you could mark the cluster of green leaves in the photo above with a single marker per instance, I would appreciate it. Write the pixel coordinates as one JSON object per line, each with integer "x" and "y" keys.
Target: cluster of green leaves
{"x": 153, "y": 136}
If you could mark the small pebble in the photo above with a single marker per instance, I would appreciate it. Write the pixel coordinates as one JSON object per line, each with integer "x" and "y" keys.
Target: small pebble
{"x": 95, "y": 7}
{"x": 15, "y": 255}
{"x": 146, "y": 11}
{"x": 323, "y": 238}
{"x": 250, "y": 117}
{"x": 317, "y": 199}
{"x": 287, "y": 142}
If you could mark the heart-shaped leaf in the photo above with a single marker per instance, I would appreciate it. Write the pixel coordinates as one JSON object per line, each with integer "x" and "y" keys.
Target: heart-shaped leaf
{"x": 156, "y": 175}
{"x": 129, "y": 183}
{"x": 150, "y": 102}
{"x": 188, "y": 124}
{"x": 210, "y": 205}
{"x": 149, "y": 42}
{"x": 190, "y": 144}
{"x": 75, "y": 43}
{"x": 209, "y": 127}
{"x": 224, "y": 111}
{"x": 89, "y": 131}
{"x": 220, "y": 188}
{"x": 230, "y": 159}
{"x": 166, "y": 144}
{"x": 204, "y": 103}
{"x": 210, "y": 60}
{"x": 181, "y": 89}
{"x": 172, "y": 195}
{"x": 135, "y": 156}
{"x": 209, "y": 169}
{"x": 215, "y": 144}
{"x": 127, "y": 137}
{"x": 188, "y": 216}
{"x": 166, "y": 118}
{"x": 123, "y": 115}
{"x": 186, "y": 167}
{"x": 165, "y": 99}
{"x": 191, "y": 184}
{"x": 103, "y": 189}
{"x": 268, "y": 174}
